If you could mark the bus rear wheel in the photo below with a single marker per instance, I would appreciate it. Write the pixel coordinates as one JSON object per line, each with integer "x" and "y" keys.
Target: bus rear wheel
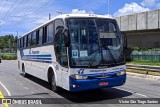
{"x": 54, "y": 87}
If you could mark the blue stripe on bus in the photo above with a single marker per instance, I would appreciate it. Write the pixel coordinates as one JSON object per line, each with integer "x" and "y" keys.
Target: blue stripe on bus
{"x": 38, "y": 58}
{"x": 43, "y": 58}
{"x": 45, "y": 55}
{"x": 42, "y": 61}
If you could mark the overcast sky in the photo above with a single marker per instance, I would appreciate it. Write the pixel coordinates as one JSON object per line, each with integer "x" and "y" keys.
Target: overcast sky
{"x": 24, "y": 15}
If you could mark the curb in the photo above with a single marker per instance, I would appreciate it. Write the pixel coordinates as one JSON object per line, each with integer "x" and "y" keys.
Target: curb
{"x": 157, "y": 78}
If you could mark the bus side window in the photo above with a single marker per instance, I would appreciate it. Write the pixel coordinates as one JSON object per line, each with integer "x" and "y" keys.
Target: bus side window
{"x": 40, "y": 36}
{"x": 25, "y": 41}
{"x": 50, "y": 33}
{"x": 29, "y": 40}
{"x": 45, "y": 34}
{"x": 33, "y": 38}
{"x": 37, "y": 37}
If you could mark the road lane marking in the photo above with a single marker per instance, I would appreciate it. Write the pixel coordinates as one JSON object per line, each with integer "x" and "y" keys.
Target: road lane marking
{"x": 2, "y": 97}
{"x": 141, "y": 95}
{"x": 9, "y": 94}
{"x": 133, "y": 92}
{"x": 124, "y": 90}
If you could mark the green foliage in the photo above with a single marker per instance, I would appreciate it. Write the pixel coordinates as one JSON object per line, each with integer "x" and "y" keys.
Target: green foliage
{"x": 8, "y": 57}
{"x": 136, "y": 48}
{"x": 5, "y": 41}
{"x": 145, "y": 63}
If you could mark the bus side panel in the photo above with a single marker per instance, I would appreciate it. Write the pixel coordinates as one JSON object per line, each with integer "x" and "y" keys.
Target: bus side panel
{"x": 65, "y": 78}
{"x": 37, "y": 60}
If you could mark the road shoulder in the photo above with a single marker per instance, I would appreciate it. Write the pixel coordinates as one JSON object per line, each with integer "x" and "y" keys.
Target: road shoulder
{"x": 145, "y": 76}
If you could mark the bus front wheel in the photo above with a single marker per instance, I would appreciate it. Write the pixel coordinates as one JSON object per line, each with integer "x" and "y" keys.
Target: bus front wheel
{"x": 23, "y": 71}
{"x": 55, "y": 88}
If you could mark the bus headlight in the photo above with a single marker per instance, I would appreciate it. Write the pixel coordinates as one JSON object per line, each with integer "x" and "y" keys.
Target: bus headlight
{"x": 121, "y": 73}
{"x": 76, "y": 76}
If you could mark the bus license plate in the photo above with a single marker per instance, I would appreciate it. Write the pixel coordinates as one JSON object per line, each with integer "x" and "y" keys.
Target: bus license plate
{"x": 103, "y": 83}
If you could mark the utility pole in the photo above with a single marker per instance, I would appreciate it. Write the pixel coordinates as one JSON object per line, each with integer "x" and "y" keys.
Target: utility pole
{"x": 49, "y": 16}
{"x": 108, "y": 7}
{"x": 132, "y": 9}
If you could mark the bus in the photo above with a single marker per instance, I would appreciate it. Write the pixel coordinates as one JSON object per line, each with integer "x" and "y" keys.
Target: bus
{"x": 75, "y": 52}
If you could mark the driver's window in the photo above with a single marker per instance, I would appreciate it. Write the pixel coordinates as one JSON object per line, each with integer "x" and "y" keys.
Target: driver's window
{"x": 60, "y": 49}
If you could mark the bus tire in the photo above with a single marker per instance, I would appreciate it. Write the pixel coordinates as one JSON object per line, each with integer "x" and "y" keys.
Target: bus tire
{"x": 54, "y": 87}
{"x": 23, "y": 71}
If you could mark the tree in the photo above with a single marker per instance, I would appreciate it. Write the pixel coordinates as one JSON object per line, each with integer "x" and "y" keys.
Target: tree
{"x": 7, "y": 40}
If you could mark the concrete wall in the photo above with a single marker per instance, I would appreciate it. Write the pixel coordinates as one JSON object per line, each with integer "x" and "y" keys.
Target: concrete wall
{"x": 152, "y": 19}
{"x": 118, "y": 19}
{"x": 125, "y": 25}
{"x": 140, "y": 21}
{"x": 142, "y": 29}
{"x": 133, "y": 22}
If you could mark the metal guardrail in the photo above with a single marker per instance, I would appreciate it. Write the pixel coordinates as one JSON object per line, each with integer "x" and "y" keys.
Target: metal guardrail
{"x": 144, "y": 67}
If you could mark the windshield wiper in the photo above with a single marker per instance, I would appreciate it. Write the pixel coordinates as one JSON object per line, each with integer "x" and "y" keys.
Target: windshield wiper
{"x": 109, "y": 51}
{"x": 93, "y": 58}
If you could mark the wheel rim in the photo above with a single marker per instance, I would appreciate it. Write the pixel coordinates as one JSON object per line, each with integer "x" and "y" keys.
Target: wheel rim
{"x": 53, "y": 83}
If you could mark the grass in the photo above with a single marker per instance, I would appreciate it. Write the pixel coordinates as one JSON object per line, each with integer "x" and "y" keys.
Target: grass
{"x": 144, "y": 72}
{"x": 144, "y": 63}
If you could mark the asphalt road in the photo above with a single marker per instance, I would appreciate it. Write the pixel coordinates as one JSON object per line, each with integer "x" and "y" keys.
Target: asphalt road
{"x": 14, "y": 85}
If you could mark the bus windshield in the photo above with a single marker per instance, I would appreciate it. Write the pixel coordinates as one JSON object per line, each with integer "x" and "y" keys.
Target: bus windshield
{"x": 94, "y": 42}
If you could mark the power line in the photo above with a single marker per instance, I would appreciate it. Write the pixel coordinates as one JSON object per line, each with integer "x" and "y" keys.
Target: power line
{"x": 26, "y": 7}
{"x": 33, "y": 11}
{"x": 3, "y": 5}
{"x": 36, "y": 9}
{"x": 41, "y": 6}
{"x": 10, "y": 9}
{"x": 31, "y": 4}
{"x": 15, "y": 9}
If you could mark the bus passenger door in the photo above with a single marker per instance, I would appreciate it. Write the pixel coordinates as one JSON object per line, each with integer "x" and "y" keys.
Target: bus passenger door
{"x": 61, "y": 54}
{"x": 64, "y": 64}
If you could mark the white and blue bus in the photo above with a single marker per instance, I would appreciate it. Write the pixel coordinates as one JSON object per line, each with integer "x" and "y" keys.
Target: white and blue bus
{"x": 75, "y": 52}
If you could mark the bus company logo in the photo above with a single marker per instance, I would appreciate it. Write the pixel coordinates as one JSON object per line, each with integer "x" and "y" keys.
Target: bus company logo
{"x": 81, "y": 71}
{"x": 30, "y": 51}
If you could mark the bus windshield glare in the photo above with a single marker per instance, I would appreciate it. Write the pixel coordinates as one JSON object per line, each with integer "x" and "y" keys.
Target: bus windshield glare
{"x": 94, "y": 42}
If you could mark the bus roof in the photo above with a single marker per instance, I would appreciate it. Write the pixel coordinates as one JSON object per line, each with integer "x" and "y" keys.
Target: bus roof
{"x": 64, "y": 16}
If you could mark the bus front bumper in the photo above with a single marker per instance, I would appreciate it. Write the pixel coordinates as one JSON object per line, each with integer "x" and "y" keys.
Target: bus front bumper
{"x": 88, "y": 84}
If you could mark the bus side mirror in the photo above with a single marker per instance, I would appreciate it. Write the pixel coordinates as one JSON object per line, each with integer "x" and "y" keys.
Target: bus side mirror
{"x": 66, "y": 38}
{"x": 124, "y": 39}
